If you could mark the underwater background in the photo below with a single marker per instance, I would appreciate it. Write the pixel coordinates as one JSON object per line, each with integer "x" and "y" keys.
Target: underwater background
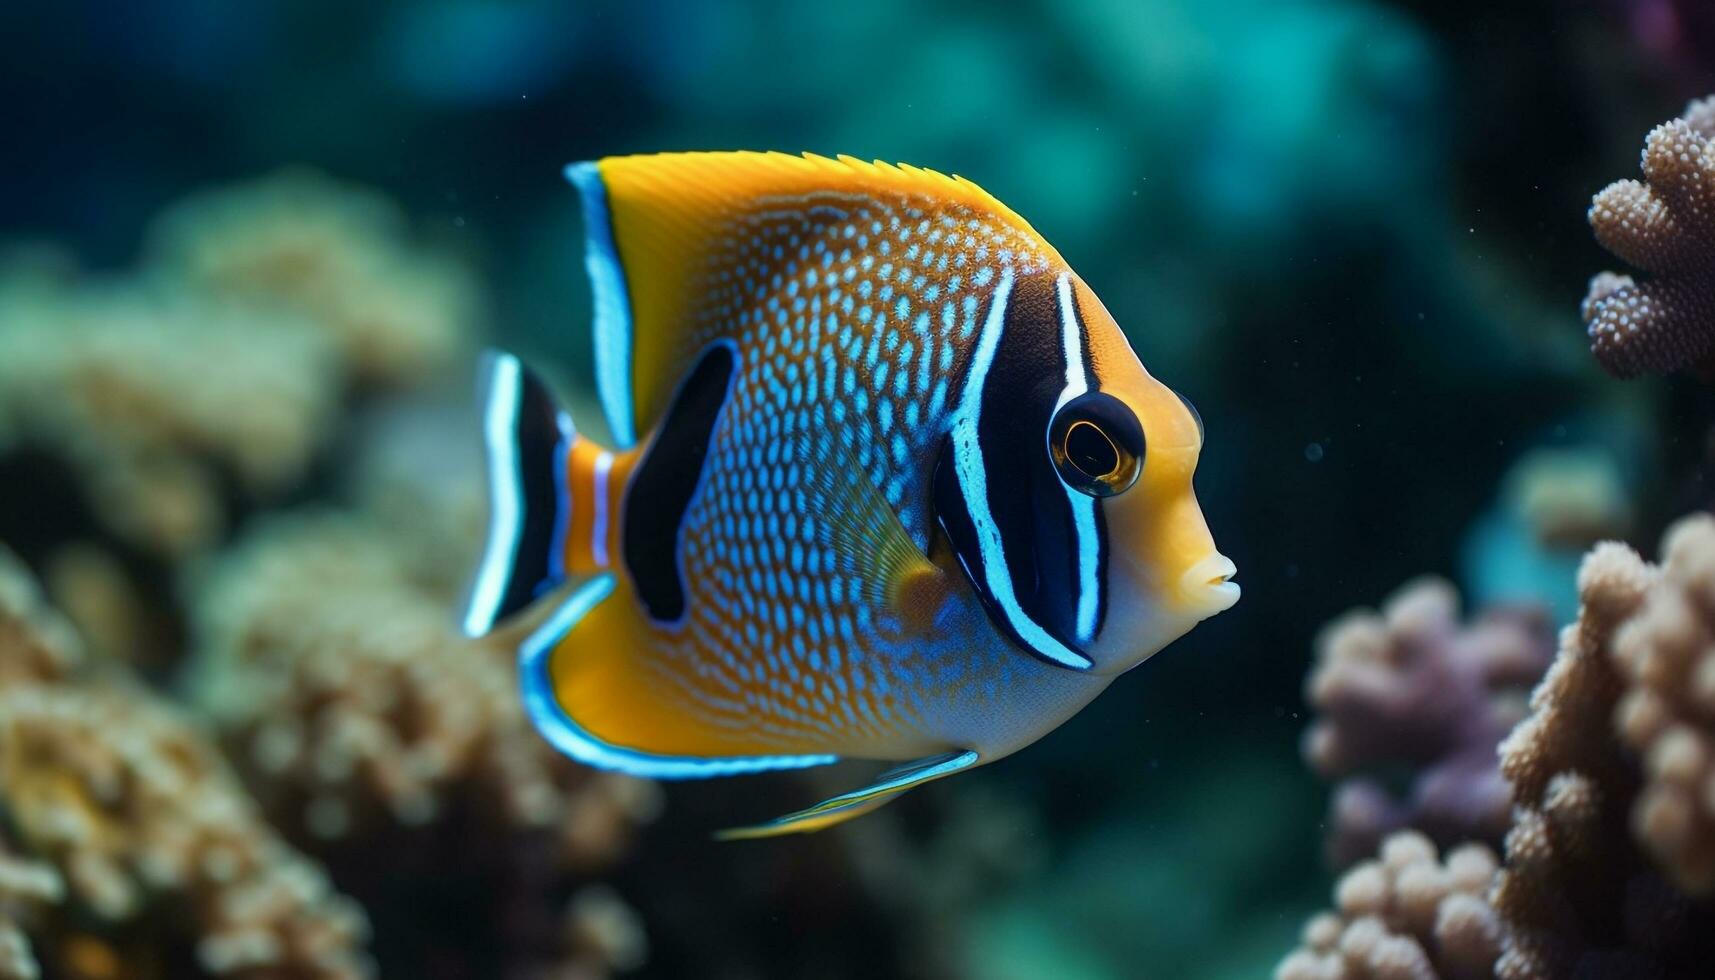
{"x": 248, "y": 255}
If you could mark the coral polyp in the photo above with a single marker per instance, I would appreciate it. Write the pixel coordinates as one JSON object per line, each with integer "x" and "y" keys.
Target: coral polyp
{"x": 1664, "y": 225}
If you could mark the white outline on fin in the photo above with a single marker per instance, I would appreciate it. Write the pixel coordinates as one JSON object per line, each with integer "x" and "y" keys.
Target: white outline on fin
{"x": 612, "y": 326}
{"x": 569, "y": 737}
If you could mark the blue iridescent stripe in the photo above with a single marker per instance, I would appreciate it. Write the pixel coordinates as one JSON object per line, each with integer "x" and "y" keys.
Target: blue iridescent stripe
{"x": 612, "y": 326}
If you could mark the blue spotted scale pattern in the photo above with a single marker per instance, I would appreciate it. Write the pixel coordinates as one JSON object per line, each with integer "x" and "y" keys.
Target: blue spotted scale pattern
{"x": 853, "y": 318}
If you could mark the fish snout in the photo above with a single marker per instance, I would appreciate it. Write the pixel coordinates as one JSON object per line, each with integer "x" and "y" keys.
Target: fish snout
{"x": 1207, "y": 587}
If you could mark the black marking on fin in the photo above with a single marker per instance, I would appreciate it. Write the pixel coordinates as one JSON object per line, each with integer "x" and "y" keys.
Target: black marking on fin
{"x": 666, "y": 480}
{"x": 522, "y": 428}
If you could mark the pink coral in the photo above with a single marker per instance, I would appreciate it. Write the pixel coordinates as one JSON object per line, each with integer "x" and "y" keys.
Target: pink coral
{"x": 1413, "y": 687}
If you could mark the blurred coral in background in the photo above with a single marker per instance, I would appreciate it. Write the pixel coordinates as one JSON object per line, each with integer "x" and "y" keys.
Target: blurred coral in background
{"x": 1413, "y": 687}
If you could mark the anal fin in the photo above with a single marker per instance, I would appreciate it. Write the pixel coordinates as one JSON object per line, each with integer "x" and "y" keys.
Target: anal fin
{"x": 590, "y": 688}
{"x": 839, "y": 809}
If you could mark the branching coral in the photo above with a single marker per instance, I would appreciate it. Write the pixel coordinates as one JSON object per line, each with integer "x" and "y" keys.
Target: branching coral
{"x": 1665, "y": 226}
{"x": 336, "y": 253}
{"x": 1405, "y": 916}
{"x": 1610, "y": 856}
{"x": 1413, "y": 687}
{"x": 1577, "y": 892}
{"x": 118, "y": 810}
{"x": 213, "y": 378}
{"x": 1666, "y": 657}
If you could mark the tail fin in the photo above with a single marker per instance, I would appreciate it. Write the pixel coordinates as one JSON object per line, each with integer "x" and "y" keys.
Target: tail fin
{"x": 528, "y": 439}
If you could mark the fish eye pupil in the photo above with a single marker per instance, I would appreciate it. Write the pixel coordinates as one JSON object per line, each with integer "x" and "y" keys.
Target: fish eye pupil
{"x": 1090, "y": 450}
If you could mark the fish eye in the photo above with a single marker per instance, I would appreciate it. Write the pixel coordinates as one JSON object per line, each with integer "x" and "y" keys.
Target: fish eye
{"x": 1097, "y": 445}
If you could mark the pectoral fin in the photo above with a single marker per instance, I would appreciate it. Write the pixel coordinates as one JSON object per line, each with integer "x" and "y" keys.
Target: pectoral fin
{"x": 848, "y": 805}
{"x": 855, "y": 525}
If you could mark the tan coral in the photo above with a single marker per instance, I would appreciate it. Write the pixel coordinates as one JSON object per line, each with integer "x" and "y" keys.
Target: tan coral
{"x": 419, "y": 465}
{"x": 91, "y": 586}
{"x": 1570, "y": 498}
{"x": 356, "y": 707}
{"x": 602, "y": 935}
{"x": 158, "y": 398}
{"x": 36, "y": 643}
{"x": 1665, "y": 226}
{"x": 1405, "y": 916}
{"x": 335, "y": 252}
{"x": 1666, "y": 655}
{"x": 128, "y": 800}
{"x": 1577, "y": 893}
{"x": 125, "y": 811}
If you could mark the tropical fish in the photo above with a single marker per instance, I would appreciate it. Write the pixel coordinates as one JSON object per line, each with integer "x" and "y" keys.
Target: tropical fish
{"x": 886, "y": 481}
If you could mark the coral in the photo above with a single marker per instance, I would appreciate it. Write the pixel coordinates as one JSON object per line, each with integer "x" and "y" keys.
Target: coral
{"x": 347, "y": 687}
{"x": 1577, "y": 892}
{"x": 36, "y": 643}
{"x": 1412, "y": 687}
{"x": 118, "y": 813}
{"x": 358, "y": 716}
{"x": 419, "y": 465}
{"x": 1665, "y": 226}
{"x": 1554, "y": 503}
{"x": 336, "y": 253}
{"x": 1405, "y": 916}
{"x": 1666, "y": 657}
{"x": 160, "y": 399}
{"x": 601, "y": 934}
{"x": 1570, "y": 498}
{"x": 94, "y": 591}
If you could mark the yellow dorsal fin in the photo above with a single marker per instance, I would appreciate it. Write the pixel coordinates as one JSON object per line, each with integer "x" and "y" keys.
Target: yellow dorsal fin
{"x": 655, "y": 226}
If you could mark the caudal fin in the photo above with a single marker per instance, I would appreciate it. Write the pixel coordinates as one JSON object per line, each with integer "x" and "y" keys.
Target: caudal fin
{"x": 528, "y": 439}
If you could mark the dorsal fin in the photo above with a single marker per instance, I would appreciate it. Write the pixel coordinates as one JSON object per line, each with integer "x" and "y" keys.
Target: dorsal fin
{"x": 654, "y": 222}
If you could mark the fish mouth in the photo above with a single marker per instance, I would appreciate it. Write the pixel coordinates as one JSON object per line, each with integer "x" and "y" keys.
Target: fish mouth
{"x": 1207, "y": 587}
